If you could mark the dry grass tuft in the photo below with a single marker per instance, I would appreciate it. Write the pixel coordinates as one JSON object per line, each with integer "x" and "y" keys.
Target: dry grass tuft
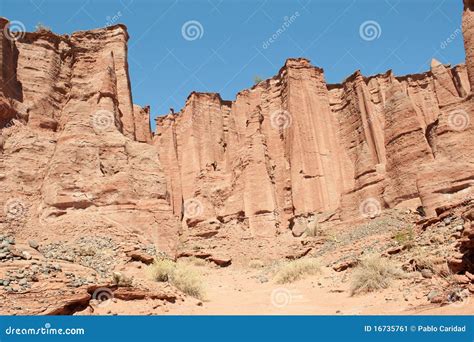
{"x": 374, "y": 273}
{"x": 161, "y": 269}
{"x": 297, "y": 269}
{"x": 256, "y": 263}
{"x": 181, "y": 275}
{"x": 422, "y": 260}
{"x": 188, "y": 280}
{"x": 121, "y": 280}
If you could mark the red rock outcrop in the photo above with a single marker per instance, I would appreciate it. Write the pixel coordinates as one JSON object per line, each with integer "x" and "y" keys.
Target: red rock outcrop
{"x": 286, "y": 155}
{"x": 468, "y": 32}
{"x": 293, "y": 150}
{"x": 75, "y": 155}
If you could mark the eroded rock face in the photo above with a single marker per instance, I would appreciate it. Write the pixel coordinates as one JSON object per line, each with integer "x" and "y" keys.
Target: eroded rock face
{"x": 75, "y": 158}
{"x": 286, "y": 156}
{"x": 293, "y": 147}
{"x": 468, "y": 32}
{"x": 293, "y": 151}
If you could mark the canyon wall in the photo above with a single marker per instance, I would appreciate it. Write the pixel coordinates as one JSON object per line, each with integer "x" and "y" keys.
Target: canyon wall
{"x": 293, "y": 151}
{"x": 286, "y": 156}
{"x": 74, "y": 157}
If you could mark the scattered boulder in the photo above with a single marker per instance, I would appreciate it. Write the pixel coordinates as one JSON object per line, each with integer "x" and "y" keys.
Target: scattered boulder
{"x": 141, "y": 257}
{"x": 220, "y": 260}
{"x": 344, "y": 265}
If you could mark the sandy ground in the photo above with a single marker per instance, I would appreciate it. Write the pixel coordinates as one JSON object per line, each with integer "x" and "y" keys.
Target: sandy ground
{"x": 239, "y": 291}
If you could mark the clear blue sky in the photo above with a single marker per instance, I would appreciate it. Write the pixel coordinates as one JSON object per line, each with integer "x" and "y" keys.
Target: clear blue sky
{"x": 232, "y": 42}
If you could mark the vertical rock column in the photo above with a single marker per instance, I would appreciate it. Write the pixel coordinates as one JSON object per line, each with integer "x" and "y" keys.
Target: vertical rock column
{"x": 312, "y": 145}
{"x": 468, "y": 32}
{"x": 9, "y": 86}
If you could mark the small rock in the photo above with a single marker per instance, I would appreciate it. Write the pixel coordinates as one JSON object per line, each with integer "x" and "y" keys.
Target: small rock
{"x": 394, "y": 250}
{"x": 432, "y": 294}
{"x": 142, "y": 257}
{"x": 425, "y": 273}
{"x": 33, "y": 244}
{"x": 436, "y": 300}
{"x": 345, "y": 265}
{"x": 221, "y": 261}
{"x": 25, "y": 255}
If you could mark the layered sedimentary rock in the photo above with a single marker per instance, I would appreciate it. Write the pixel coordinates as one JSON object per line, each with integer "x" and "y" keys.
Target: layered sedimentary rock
{"x": 74, "y": 156}
{"x": 468, "y": 32}
{"x": 286, "y": 156}
{"x": 293, "y": 151}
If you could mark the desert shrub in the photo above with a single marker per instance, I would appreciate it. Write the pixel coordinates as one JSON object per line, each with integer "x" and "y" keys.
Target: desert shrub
{"x": 423, "y": 261}
{"x": 161, "y": 269}
{"x": 120, "y": 280}
{"x": 297, "y": 269}
{"x": 257, "y": 79}
{"x": 40, "y": 27}
{"x": 374, "y": 273}
{"x": 187, "y": 280}
{"x": 181, "y": 275}
{"x": 405, "y": 237}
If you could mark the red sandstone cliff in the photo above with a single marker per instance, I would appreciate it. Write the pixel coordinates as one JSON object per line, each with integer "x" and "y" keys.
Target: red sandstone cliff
{"x": 286, "y": 155}
{"x": 74, "y": 157}
{"x": 294, "y": 151}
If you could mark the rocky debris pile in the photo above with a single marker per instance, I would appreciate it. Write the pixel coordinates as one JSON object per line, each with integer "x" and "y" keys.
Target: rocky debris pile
{"x": 21, "y": 279}
{"x": 390, "y": 222}
{"x": 464, "y": 259}
{"x": 8, "y": 250}
{"x": 98, "y": 253}
{"x": 437, "y": 252}
{"x": 78, "y": 281}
